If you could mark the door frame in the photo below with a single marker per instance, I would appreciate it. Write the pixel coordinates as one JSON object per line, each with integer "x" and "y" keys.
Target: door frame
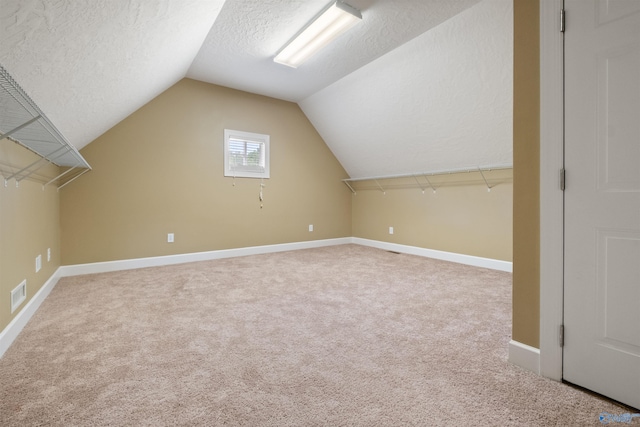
{"x": 551, "y": 196}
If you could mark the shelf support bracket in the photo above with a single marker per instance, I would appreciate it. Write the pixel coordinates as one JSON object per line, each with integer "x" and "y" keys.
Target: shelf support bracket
{"x": 59, "y": 176}
{"x": 485, "y": 180}
{"x": 74, "y": 178}
{"x": 349, "y": 185}
{"x": 418, "y": 182}
{"x": 430, "y": 185}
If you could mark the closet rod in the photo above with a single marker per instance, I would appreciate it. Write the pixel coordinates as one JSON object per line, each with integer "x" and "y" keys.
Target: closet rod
{"x": 438, "y": 172}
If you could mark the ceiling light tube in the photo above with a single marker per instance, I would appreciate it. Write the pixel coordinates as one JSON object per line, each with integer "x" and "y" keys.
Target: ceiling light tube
{"x": 331, "y": 23}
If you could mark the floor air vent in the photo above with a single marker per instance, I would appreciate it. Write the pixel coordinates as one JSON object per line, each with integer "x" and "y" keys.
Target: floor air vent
{"x": 18, "y": 295}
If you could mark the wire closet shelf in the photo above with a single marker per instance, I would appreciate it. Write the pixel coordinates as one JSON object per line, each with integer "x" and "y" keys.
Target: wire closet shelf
{"x": 490, "y": 176}
{"x": 22, "y": 122}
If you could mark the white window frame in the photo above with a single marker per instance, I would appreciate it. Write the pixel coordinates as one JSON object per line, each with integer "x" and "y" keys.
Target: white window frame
{"x": 230, "y": 136}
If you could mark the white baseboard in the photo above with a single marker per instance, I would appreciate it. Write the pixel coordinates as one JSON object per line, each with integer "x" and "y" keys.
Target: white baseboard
{"x": 13, "y": 329}
{"x": 525, "y": 356}
{"x": 492, "y": 264}
{"x": 130, "y": 264}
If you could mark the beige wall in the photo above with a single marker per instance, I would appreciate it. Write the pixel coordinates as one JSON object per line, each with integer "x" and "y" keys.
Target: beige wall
{"x": 29, "y": 224}
{"x": 526, "y": 157}
{"x": 160, "y": 171}
{"x": 460, "y": 217}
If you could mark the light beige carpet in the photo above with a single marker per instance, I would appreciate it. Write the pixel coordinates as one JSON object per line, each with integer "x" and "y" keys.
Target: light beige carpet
{"x": 337, "y": 336}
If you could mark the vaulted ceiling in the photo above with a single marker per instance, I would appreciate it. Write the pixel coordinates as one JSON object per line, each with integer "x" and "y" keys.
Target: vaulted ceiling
{"x": 416, "y": 86}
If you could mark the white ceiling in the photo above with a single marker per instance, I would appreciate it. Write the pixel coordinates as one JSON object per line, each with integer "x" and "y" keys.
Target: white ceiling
{"x": 442, "y": 101}
{"x": 89, "y": 64}
{"x": 239, "y": 50}
{"x": 407, "y": 69}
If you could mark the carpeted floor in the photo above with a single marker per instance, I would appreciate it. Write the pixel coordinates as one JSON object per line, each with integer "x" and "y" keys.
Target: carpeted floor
{"x": 338, "y": 336}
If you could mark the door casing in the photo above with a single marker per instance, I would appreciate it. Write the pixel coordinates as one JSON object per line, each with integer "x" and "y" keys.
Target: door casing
{"x": 551, "y": 196}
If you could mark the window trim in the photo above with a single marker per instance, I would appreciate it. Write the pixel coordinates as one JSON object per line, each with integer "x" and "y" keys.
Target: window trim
{"x": 230, "y": 134}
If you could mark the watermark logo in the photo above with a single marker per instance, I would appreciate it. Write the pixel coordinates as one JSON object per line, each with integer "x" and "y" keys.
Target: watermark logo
{"x": 606, "y": 418}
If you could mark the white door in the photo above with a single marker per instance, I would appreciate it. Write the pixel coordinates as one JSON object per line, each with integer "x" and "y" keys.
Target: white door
{"x": 602, "y": 197}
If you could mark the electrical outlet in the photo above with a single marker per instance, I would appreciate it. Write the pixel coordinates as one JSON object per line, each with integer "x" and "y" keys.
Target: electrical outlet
{"x": 38, "y": 263}
{"x": 48, "y": 254}
{"x": 310, "y": 227}
{"x": 170, "y": 238}
{"x": 390, "y": 230}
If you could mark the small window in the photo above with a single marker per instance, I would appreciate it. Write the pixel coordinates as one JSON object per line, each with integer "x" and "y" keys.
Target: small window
{"x": 246, "y": 154}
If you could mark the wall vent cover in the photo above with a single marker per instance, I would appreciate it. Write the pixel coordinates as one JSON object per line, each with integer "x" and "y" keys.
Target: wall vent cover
{"x": 18, "y": 295}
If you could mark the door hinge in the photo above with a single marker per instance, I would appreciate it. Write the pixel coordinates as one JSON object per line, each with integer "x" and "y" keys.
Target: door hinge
{"x": 561, "y": 335}
{"x": 563, "y": 179}
{"x": 562, "y": 19}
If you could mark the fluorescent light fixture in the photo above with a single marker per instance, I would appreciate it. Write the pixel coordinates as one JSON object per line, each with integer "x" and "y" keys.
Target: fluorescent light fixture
{"x": 331, "y": 23}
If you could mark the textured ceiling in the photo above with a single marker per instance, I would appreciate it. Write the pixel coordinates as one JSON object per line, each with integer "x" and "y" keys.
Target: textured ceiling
{"x": 240, "y": 47}
{"x": 442, "y": 101}
{"x": 89, "y": 64}
{"x": 417, "y": 85}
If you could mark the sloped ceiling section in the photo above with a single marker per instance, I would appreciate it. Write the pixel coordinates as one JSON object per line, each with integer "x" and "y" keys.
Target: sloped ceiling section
{"x": 240, "y": 47}
{"x": 441, "y": 101}
{"x": 417, "y": 86}
{"x": 89, "y": 64}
